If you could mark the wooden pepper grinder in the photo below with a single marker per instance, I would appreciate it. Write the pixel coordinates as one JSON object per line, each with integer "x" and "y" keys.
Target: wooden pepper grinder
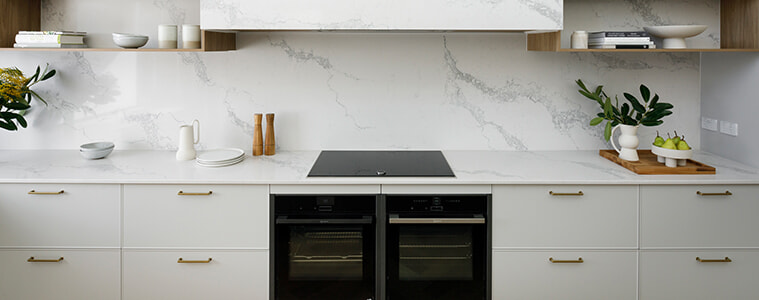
{"x": 258, "y": 139}
{"x": 269, "y": 145}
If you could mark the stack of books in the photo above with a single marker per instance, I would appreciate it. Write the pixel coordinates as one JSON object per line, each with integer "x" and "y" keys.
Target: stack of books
{"x": 50, "y": 39}
{"x": 620, "y": 40}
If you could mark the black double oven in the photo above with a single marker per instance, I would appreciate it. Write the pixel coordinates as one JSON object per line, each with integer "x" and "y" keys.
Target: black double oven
{"x": 371, "y": 247}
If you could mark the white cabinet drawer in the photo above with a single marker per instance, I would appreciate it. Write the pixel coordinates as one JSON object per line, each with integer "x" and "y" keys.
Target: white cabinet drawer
{"x": 699, "y": 216}
{"x": 59, "y": 215}
{"x": 189, "y": 216}
{"x": 531, "y": 275}
{"x": 678, "y": 275}
{"x": 81, "y": 274}
{"x": 557, "y": 216}
{"x": 228, "y": 275}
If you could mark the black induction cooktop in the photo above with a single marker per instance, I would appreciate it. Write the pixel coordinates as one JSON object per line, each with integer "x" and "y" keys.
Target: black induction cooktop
{"x": 403, "y": 163}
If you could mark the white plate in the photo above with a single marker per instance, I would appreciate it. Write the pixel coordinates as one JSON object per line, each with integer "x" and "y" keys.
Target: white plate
{"x": 212, "y": 165}
{"x": 220, "y": 156}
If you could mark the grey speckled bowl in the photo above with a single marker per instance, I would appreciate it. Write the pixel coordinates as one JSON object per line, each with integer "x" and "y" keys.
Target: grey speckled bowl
{"x": 96, "y": 150}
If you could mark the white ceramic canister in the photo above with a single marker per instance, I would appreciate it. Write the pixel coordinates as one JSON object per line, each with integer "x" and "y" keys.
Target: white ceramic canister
{"x": 579, "y": 40}
{"x": 167, "y": 36}
{"x": 190, "y": 36}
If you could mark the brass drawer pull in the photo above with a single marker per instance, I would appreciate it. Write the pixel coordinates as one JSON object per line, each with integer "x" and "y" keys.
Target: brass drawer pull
{"x": 726, "y": 259}
{"x": 726, "y": 193}
{"x": 557, "y": 261}
{"x": 32, "y": 259}
{"x": 182, "y": 261}
{"x": 33, "y": 192}
{"x": 580, "y": 193}
{"x": 181, "y": 193}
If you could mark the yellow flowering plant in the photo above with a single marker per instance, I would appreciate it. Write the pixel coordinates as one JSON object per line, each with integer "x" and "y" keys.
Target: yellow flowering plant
{"x": 16, "y": 95}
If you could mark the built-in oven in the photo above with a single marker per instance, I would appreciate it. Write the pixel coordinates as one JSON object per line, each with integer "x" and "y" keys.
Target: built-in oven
{"x": 324, "y": 247}
{"x": 438, "y": 247}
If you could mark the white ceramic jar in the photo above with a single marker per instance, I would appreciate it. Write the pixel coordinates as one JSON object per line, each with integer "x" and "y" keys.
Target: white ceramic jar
{"x": 167, "y": 36}
{"x": 579, "y": 40}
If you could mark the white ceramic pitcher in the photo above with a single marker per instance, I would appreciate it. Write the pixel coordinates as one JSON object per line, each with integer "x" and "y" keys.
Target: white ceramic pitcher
{"x": 187, "y": 141}
{"x": 628, "y": 142}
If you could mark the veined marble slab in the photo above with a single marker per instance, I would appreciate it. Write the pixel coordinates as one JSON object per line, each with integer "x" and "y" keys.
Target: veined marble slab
{"x": 470, "y": 167}
{"x": 382, "y": 14}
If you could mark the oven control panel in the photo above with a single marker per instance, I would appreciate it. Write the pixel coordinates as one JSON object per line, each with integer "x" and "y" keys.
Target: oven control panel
{"x": 435, "y": 204}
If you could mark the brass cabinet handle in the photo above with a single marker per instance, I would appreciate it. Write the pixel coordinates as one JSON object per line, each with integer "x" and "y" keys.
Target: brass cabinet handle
{"x": 726, "y": 259}
{"x": 580, "y": 193}
{"x": 557, "y": 261}
{"x": 182, "y": 261}
{"x": 33, "y": 192}
{"x": 181, "y": 193}
{"x": 32, "y": 259}
{"x": 726, "y": 193}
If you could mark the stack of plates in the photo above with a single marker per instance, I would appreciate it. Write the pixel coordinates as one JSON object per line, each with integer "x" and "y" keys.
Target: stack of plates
{"x": 220, "y": 157}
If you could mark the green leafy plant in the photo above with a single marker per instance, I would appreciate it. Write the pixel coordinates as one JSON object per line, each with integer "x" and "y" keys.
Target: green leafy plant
{"x": 16, "y": 95}
{"x": 649, "y": 112}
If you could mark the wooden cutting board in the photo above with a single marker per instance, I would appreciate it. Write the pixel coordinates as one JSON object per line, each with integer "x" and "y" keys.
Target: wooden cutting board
{"x": 647, "y": 165}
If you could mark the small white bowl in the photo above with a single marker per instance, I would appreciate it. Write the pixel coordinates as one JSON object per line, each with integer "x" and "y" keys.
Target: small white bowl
{"x": 96, "y": 150}
{"x": 129, "y": 41}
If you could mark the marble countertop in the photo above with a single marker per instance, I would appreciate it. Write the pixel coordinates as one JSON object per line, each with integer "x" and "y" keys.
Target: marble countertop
{"x": 470, "y": 167}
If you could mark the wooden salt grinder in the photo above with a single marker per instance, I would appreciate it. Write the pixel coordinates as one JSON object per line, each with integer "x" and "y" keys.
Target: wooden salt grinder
{"x": 258, "y": 139}
{"x": 269, "y": 145}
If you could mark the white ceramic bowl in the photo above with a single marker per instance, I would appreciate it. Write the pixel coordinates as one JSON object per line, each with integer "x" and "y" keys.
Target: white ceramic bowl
{"x": 129, "y": 41}
{"x": 673, "y": 36}
{"x": 672, "y": 158}
{"x": 96, "y": 150}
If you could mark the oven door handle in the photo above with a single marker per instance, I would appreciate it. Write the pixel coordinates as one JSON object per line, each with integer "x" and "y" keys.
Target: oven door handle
{"x": 476, "y": 219}
{"x": 287, "y": 221}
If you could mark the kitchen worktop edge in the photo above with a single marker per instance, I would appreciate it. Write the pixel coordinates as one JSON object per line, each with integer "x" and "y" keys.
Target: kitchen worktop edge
{"x": 291, "y": 167}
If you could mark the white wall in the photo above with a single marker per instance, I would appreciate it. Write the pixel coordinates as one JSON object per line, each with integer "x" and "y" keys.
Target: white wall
{"x": 333, "y": 90}
{"x": 730, "y": 92}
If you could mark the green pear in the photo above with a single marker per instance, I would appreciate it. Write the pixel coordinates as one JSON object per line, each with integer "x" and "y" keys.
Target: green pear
{"x": 682, "y": 145}
{"x": 676, "y": 139}
{"x": 658, "y": 141}
{"x": 669, "y": 144}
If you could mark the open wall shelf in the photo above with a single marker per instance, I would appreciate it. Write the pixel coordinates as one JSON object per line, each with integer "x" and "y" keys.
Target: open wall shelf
{"x": 17, "y": 15}
{"x": 739, "y": 32}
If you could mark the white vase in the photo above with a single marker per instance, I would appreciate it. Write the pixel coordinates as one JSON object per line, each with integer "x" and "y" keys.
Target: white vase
{"x": 628, "y": 142}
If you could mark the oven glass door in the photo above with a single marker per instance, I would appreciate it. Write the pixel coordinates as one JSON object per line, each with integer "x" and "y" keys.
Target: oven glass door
{"x": 436, "y": 261}
{"x": 326, "y": 260}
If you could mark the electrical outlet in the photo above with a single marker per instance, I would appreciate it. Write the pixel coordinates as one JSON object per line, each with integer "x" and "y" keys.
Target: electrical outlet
{"x": 709, "y": 123}
{"x": 728, "y": 128}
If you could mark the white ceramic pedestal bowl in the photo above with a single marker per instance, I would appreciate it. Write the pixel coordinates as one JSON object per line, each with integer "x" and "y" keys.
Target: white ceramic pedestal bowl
{"x": 129, "y": 41}
{"x": 672, "y": 158}
{"x": 673, "y": 36}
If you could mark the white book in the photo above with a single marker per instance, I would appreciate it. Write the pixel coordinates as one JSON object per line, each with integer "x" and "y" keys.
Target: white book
{"x": 621, "y": 40}
{"x": 49, "y": 38}
{"x": 52, "y": 32}
{"x": 48, "y": 45}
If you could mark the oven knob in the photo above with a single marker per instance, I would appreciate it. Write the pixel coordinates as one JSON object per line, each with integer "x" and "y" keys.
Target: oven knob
{"x": 381, "y": 173}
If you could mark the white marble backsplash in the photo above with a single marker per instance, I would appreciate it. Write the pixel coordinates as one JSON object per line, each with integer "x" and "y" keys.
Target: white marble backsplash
{"x": 455, "y": 91}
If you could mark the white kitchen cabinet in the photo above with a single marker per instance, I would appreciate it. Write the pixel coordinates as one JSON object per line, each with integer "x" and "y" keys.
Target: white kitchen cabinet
{"x": 565, "y": 275}
{"x": 200, "y": 275}
{"x": 693, "y": 216}
{"x": 679, "y": 275}
{"x": 60, "y": 274}
{"x": 381, "y": 15}
{"x": 60, "y": 215}
{"x": 565, "y": 216}
{"x": 196, "y": 216}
